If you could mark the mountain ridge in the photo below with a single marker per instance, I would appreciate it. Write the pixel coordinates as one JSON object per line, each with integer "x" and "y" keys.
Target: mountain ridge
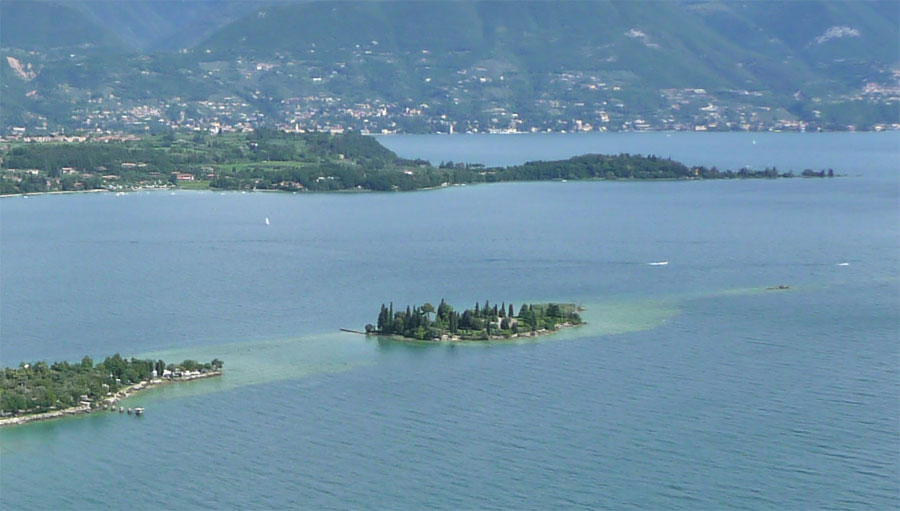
{"x": 488, "y": 65}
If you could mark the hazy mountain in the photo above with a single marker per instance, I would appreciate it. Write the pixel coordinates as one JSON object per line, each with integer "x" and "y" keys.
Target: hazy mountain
{"x": 164, "y": 24}
{"x": 40, "y": 25}
{"x": 785, "y": 45}
{"x": 430, "y": 65}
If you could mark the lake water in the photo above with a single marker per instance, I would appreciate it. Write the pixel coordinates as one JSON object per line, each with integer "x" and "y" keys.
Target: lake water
{"x": 692, "y": 387}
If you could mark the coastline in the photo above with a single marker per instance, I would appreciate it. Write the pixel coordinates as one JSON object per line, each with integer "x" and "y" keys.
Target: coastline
{"x": 543, "y": 332}
{"x": 56, "y": 192}
{"x": 95, "y": 190}
{"x": 107, "y": 404}
{"x": 352, "y": 191}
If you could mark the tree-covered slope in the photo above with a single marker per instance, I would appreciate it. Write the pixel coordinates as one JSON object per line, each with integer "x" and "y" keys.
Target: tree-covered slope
{"x": 45, "y": 25}
{"x": 427, "y": 66}
{"x": 160, "y": 25}
{"x": 661, "y": 44}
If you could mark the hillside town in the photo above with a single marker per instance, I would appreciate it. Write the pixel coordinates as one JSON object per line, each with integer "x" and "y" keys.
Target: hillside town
{"x": 479, "y": 98}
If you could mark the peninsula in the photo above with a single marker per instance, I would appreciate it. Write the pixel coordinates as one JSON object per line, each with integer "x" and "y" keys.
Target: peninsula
{"x": 300, "y": 162}
{"x": 38, "y": 391}
{"x": 480, "y": 323}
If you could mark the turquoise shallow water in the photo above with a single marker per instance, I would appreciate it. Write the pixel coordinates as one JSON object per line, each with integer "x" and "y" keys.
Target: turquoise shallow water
{"x": 692, "y": 387}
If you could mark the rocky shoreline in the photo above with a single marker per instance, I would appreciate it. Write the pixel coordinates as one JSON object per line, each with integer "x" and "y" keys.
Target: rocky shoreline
{"x": 109, "y": 403}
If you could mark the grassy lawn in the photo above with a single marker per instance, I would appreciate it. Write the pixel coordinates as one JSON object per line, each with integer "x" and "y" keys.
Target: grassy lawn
{"x": 261, "y": 164}
{"x": 194, "y": 185}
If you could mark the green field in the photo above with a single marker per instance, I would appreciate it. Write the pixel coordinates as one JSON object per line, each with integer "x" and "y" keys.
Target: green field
{"x": 194, "y": 185}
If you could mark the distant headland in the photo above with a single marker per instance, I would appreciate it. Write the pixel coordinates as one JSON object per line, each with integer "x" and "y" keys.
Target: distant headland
{"x": 301, "y": 162}
{"x": 482, "y": 322}
{"x": 38, "y": 391}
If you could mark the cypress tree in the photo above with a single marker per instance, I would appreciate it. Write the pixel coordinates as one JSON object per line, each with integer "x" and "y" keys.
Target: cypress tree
{"x": 510, "y": 310}
{"x": 454, "y": 322}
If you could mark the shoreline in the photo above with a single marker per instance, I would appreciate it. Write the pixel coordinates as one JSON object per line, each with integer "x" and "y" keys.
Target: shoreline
{"x": 55, "y": 192}
{"x": 106, "y": 404}
{"x": 95, "y": 190}
{"x": 351, "y": 191}
{"x": 543, "y": 332}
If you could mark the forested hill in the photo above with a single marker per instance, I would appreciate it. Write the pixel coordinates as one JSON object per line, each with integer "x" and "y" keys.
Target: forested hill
{"x": 413, "y": 66}
{"x": 42, "y": 26}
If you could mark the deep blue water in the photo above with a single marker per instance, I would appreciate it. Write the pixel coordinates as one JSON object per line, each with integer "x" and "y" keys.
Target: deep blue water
{"x": 693, "y": 386}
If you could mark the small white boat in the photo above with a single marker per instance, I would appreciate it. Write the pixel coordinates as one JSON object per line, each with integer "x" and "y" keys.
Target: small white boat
{"x": 267, "y": 220}
{"x": 659, "y": 263}
{"x": 842, "y": 264}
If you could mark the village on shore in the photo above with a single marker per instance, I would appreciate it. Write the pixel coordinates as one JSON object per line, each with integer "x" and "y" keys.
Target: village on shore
{"x": 34, "y": 392}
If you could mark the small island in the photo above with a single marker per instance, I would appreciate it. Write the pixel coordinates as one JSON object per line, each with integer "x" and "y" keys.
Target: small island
{"x": 483, "y": 322}
{"x": 38, "y": 391}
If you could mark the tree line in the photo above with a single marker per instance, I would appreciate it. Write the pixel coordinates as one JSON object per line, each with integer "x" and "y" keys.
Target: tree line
{"x": 39, "y": 387}
{"x": 482, "y": 322}
{"x": 274, "y": 160}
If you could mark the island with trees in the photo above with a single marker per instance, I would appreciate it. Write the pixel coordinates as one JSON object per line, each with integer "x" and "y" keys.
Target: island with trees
{"x": 37, "y": 391}
{"x": 482, "y": 322}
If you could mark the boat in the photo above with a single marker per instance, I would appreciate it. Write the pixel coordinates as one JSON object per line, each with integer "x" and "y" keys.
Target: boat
{"x": 659, "y": 263}
{"x": 139, "y": 411}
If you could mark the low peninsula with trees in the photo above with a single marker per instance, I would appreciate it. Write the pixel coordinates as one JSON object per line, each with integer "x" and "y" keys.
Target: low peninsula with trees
{"x": 482, "y": 322}
{"x": 38, "y": 391}
{"x": 298, "y": 162}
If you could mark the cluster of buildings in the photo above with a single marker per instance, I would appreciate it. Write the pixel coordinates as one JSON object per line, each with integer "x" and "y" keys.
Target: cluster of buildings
{"x": 299, "y": 92}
